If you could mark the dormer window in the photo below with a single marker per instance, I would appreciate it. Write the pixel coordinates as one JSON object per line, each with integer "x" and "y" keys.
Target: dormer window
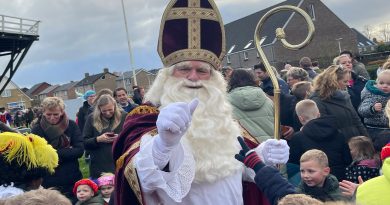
{"x": 262, "y": 40}
{"x": 231, "y": 49}
{"x": 249, "y": 44}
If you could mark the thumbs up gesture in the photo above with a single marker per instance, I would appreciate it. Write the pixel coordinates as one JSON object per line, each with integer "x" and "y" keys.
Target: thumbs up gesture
{"x": 173, "y": 122}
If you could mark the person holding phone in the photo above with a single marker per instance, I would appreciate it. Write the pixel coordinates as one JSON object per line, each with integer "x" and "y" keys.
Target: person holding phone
{"x": 100, "y": 131}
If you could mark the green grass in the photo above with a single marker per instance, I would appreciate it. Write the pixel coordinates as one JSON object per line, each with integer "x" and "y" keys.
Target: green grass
{"x": 84, "y": 168}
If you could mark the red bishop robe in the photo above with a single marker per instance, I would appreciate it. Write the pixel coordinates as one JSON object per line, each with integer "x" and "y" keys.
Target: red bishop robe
{"x": 127, "y": 187}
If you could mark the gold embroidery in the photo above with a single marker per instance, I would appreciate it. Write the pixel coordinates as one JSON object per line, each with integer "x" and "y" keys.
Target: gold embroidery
{"x": 143, "y": 109}
{"x": 246, "y": 135}
{"x": 131, "y": 176}
{"x": 193, "y": 3}
{"x": 130, "y": 172}
{"x": 121, "y": 160}
{"x": 194, "y": 33}
{"x": 193, "y": 11}
{"x": 199, "y": 13}
{"x": 192, "y": 54}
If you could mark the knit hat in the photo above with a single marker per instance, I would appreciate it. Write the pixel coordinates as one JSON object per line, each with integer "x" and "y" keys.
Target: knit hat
{"x": 88, "y": 93}
{"x": 385, "y": 152}
{"x": 106, "y": 180}
{"x": 88, "y": 182}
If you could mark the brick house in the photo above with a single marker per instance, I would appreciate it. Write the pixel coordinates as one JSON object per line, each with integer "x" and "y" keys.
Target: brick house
{"x": 13, "y": 97}
{"x": 34, "y": 91}
{"x": 48, "y": 92}
{"x": 144, "y": 79}
{"x": 97, "y": 82}
{"x": 66, "y": 91}
{"x": 331, "y": 36}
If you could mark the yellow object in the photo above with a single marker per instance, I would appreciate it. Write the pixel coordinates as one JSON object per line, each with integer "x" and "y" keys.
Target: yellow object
{"x": 29, "y": 150}
{"x": 376, "y": 191}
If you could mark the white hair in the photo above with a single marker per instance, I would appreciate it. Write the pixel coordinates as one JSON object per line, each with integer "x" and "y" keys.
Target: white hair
{"x": 213, "y": 133}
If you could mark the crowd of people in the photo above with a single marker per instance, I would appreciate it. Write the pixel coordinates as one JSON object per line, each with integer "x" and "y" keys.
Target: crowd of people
{"x": 202, "y": 136}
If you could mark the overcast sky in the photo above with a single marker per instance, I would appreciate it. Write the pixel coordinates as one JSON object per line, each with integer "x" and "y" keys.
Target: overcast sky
{"x": 87, "y": 35}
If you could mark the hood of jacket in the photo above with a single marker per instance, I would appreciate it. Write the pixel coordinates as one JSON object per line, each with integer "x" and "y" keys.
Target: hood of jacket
{"x": 247, "y": 98}
{"x": 338, "y": 95}
{"x": 370, "y": 86}
{"x": 321, "y": 129}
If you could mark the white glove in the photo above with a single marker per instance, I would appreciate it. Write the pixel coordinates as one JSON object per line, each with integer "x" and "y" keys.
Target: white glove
{"x": 172, "y": 122}
{"x": 273, "y": 152}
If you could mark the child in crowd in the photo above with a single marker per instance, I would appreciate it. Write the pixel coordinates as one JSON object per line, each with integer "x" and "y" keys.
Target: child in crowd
{"x": 316, "y": 178}
{"x": 302, "y": 90}
{"x": 86, "y": 192}
{"x": 364, "y": 164}
{"x": 374, "y": 98}
{"x": 377, "y": 190}
{"x": 318, "y": 133}
{"x": 106, "y": 186}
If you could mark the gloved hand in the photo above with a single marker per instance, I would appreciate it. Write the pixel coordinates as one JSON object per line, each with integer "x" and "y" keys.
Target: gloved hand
{"x": 172, "y": 122}
{"x": 248, "y": 157}
{"x": 273, "y": 152}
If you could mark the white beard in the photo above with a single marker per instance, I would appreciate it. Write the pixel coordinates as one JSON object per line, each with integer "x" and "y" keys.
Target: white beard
{"x": 213, "y": 133}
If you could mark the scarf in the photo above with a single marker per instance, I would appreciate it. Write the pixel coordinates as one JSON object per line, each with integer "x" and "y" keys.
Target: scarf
{"x": 55, "y": 134}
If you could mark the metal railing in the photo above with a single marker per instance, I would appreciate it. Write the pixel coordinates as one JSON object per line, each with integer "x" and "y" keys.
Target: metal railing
{"x": 9, "y": 24}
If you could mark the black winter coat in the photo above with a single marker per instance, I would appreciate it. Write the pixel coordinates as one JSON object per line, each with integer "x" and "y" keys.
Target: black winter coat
{"x": 67, "y": 172}
{"x": 100, "y": 153}
{"x": 82, "y": 115}
{"x": 356, "y": 90}
{"x": 322, "y": 134}
{"x": 339, "y": 105}
{"x": 273, "y": 184}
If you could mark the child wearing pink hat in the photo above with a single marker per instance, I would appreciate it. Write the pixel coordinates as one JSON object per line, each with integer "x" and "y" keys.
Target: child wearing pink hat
{"x": 106, "y": 186}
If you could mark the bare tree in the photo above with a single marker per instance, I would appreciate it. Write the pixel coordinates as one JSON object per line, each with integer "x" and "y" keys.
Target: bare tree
{"x": 368, "y": 31}
{"x": 385, "y": 31}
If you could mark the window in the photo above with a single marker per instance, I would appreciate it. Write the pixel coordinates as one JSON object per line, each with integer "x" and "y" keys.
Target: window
{"x": 312, "y": 12}
{"x": 231, "y": 49}
{"x": 245, "y": 56}
{"x": 361, "y": 44}
{"x": 6, "y": 93}
{"x": 228, "y": 59}
{"x": 369, "y": 43}
{"x": 249, "y": 44}
{"x": 372, "y": 48}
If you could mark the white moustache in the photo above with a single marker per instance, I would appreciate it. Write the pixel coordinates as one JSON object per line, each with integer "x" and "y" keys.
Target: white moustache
{"x": 191, "y": 84}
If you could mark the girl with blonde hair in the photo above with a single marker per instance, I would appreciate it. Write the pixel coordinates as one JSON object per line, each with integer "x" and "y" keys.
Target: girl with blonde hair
{"x": 332, "y": 99}
{"x": 101, "y": 129}
{"x": 356, "y": 82}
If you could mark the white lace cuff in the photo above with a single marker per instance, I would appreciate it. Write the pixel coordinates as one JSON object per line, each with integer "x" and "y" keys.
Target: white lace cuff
{"x": 177, "y": 182}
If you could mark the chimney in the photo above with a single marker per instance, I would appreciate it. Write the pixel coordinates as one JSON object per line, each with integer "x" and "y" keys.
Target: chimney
{"x": 86, "y": 75}
{"x": 105, "y": 70}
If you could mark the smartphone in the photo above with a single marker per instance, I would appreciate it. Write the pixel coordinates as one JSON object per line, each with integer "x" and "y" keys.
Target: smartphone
{"x": 111, "y": 134}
